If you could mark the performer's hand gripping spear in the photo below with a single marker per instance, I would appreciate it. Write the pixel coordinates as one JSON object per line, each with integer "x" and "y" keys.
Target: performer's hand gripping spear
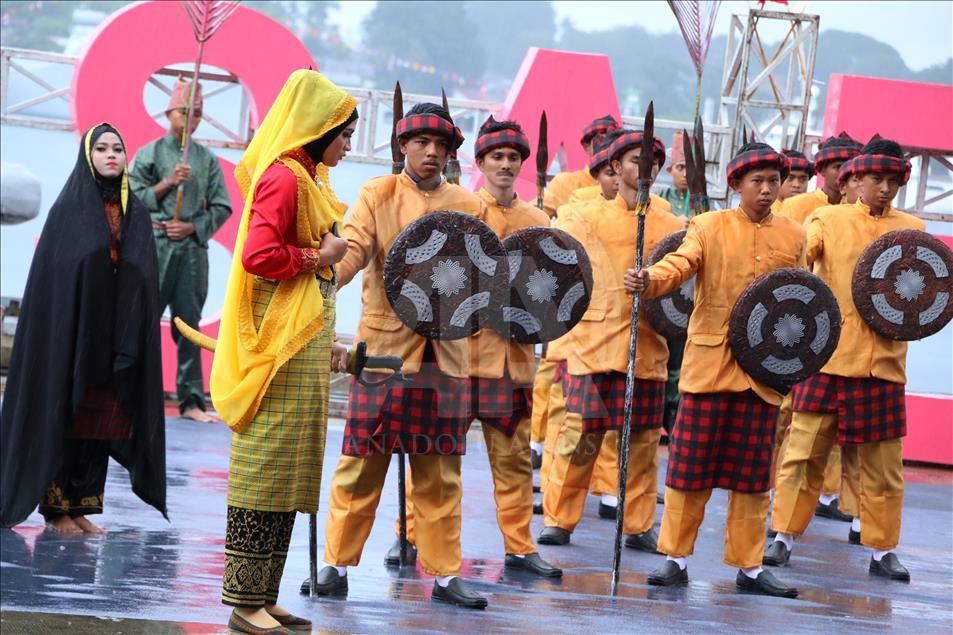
{"x": 206, "y": 17}
{"x": 646, "y": 161}
{"x": 396, "y": 167}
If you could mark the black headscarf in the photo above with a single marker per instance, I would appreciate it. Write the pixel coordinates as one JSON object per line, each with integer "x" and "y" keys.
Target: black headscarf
{"x": 109, "y": 188}
{"x": 316, "y": 148}
{"x": 84, "y": 322}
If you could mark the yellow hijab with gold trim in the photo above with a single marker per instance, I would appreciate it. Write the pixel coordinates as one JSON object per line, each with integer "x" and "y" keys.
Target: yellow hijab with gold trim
{"x": 246, "y": 358}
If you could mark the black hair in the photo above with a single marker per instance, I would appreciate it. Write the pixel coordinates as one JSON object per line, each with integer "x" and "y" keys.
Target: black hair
{"x": 492, "y": 125}
{"x": 838, "y": 142}
{"x": 883, "y": 146}
{"x": 316, "y": 147}
{"x": 427, "y": 108}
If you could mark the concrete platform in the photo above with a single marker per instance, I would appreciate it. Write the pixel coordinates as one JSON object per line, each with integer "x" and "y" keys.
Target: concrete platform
{"x": 149, "y": 576}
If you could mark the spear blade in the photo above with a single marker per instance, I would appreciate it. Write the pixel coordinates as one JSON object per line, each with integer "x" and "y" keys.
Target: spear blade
{"x": 542, "y": 159}
{"x": 452, "y": 169}
{"x": 700, "y": 162}
{"x": 396, "y": 155}
{"x": 646, "y": 159}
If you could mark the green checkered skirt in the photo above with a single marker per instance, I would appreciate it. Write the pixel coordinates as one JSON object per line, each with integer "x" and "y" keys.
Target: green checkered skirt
{"x": 276, "y": 462}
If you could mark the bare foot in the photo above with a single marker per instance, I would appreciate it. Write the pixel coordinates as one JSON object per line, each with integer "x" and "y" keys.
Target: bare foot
{"x": 257, "y": 617}
{"x": 197, "y": 414}
{"x": 63, "y": 525}
{"x": 276, "y": 610}
{"x": 88, "y": 527}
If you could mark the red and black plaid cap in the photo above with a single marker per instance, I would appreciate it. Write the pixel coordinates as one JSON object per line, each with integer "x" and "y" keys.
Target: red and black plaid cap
{"x": 505, "y": 138}
{"x": 634, "y": 140}
{"x": 597, "y": 160}
{"x": 599, "y": 126}
{"x": 758, "y": 159}
{"x": 418, "y": 124}
{"x": 834, "y": 149}
{"x": 798, "y": 161}
{"x": 881, "y": 164}
{"x": 847, "y": 168}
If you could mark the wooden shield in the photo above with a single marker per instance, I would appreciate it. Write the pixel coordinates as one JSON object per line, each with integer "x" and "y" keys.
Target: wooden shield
{"x": 784, "y": 327}
{"x": 445, "y": 274}
{"x": 669, "y": 314}
{"x": 902, "y": 285}
{"x": 550, "y": 285}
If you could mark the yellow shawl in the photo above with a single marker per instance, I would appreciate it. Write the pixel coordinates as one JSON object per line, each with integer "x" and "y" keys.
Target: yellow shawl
{"x": 246, "y": 358}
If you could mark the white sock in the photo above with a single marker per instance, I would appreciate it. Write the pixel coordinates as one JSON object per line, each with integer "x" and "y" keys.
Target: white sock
{"x": 855, "y": 525}
{"x": 444, "y": 580}
{"x": 536, "y": 445}
{"x": 681, "y": 562}
{"x": 518, "y": 555}
{"x": 827, "y": 499}
{"x": 752, "y": 572}
{"x": 787, "y": 539}
{"x": 342, "y": 571}
{"x": 610, "y": 500}
{"x": 878, "y": 555}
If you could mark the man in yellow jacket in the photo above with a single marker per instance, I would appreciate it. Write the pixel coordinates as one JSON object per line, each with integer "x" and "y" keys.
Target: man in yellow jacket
{"x": 376, "y": 424}
{"x": 858, "y": 398}
{"x": 726, "y": 251}
{"x": 831, "y": 154}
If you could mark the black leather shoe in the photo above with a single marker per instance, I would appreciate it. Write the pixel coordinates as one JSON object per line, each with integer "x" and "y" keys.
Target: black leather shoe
{"x": 329, "y": 583}
{"x": 669, "y": 574}
{"x": 660, "y": 498}
{"x": 553, "y": 536}
{"x": 832, "y": 511}
{"x": 764, "y": 584}
{"x": 456, "y": 592}
{"x": 392, "y": 559}
{"x": 646, "y": 541}
{"x": 606, "y": 512}
{"x": 776, "y": 555}
{"x": 538, "y": 509}
{"x": 853, "y": 537}
{"x": 889, "y": 567}
{"x": 533, "y": 563}
{"x": 536, "y": 459}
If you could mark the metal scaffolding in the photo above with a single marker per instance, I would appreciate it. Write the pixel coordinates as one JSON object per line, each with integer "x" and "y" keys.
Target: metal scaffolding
{"x": 766, "y": 89}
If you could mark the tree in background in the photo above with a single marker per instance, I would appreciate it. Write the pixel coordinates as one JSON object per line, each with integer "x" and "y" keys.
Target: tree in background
{"x": 508, "y": 29}
{"x": 44, "y": 25}
{"x": 308, "y": 21}
{"x": 433, "y": 34}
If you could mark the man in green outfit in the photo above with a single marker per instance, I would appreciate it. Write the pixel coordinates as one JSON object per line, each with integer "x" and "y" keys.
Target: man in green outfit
{"x": 182, "y": 244}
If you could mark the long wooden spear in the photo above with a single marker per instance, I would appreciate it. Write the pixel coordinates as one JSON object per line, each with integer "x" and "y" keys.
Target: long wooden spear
{"x": 646, "y": 160}
{"x": 206, "y": 17}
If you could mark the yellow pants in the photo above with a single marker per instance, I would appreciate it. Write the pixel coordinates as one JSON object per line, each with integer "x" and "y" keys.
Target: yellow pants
{"x": 512, "y": 473}
{"x": 541, "y": 387}
{"x": 435, "y": 493}
{"x": 744, "y": 526}
{"x": 556, "y": 412}
{"x": 605, "y": 473}
{"x": 879, "y": 486}
{"x": 834, "y": 473}
{"x": 575, "y": 455}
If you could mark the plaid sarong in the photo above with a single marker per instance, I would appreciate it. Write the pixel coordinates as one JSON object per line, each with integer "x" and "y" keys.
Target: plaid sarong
{"x": 868, "y": 409}
{"x": 724, "y": 440}
{"x": 600, "y": 399}
{"x": 500, "y": 403}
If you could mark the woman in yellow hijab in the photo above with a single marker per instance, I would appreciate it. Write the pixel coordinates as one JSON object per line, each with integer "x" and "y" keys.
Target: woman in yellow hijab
{"x": 271, "y": 372}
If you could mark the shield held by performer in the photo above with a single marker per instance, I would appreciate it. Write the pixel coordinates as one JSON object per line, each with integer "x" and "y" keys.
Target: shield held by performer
{"x": 444, "y": 275}
{"x": 902, "y": 285}
{"x": 669, "y": 313}
{"x": 550, "y": 285}
{"x": 784, "y": 327}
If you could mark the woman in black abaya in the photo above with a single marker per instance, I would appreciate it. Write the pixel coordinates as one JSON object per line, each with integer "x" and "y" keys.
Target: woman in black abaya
{"x": 85, "y": 381}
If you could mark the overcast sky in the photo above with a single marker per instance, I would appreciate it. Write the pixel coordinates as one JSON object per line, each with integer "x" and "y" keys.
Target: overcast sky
{"x": 921, "y": 31}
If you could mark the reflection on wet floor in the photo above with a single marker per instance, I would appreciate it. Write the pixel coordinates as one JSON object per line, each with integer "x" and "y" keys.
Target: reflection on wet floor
{"x": 150, "y": 576}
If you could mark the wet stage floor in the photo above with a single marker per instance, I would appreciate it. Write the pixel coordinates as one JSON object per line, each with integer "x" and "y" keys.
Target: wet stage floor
{"x": 150, "y": 576}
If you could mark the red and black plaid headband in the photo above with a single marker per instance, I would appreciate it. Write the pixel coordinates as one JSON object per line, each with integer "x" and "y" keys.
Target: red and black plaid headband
{"x": 597, "y": 160}
{"x": 828, "y": 154}
{"x": 634, "y": 140}
{"x": 599, "y": 127}
{"x": 758, "y": 159}
{"x": 847, "y": 168}
{"x": 882, "y": 164}
{"x": 418, "y": 124}
{"x": 505, "y": 138}
{"x": 800, "y": 163}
